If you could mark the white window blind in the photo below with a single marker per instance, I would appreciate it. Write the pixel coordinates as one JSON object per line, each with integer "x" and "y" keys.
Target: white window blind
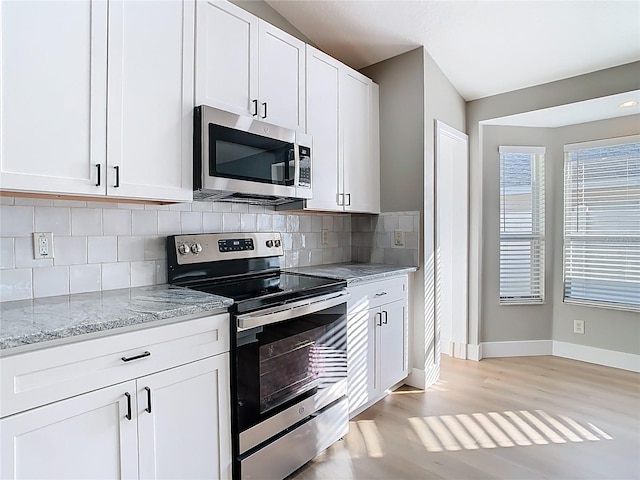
{"x": 602, "y": 223}
{"x": 521, "y": 225}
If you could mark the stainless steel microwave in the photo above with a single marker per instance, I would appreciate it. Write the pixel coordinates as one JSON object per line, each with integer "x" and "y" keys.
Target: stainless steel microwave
{"x": 241, "y": 159}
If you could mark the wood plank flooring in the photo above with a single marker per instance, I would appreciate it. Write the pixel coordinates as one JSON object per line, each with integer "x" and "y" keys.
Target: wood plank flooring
{"x": 507, "y": 418}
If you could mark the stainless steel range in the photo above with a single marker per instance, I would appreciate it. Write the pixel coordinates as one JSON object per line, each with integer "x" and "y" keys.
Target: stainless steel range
{"x": 289, "y": 348}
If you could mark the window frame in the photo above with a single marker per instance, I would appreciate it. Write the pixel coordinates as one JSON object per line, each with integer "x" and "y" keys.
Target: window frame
{"x": 574, "y": 147}
{"x": 538, "y": 204}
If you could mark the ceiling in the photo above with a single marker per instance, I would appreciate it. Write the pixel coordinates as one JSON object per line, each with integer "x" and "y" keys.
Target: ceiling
{"x": 483, "y": 47}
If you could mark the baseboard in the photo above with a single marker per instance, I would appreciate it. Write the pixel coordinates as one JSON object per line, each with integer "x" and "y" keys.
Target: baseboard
{"x": 599, "y": 356}
{"x": 525, "y": 348}
{"x": 416, "y": 378}
{"x": 474, "y": 352}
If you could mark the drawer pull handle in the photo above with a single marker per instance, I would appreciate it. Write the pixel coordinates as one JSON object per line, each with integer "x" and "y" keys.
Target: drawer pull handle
{"x": 148, "y": 409}
{"x": 142, "y": 355}
{"x": 128, "y": 415}
{"x": 380, "y": 294}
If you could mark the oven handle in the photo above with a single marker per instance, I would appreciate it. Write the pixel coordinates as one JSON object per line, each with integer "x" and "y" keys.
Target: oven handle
{"x": 282, "y": 313}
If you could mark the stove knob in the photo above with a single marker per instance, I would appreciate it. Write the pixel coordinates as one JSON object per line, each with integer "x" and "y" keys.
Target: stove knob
{"x": 269, "y": 243}
{"x": 196, "y": 248}
{"x": 277, "y": 243}
{"x": 183, "y": 249}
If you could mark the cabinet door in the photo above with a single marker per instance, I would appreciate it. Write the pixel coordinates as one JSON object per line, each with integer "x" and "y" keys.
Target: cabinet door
{"x": 281, "y": 67}
{"x": 226, "y": 57}
{"x": 53, "y": 96}
{"x": 187, "y": 433}
{"x": 392, "y": 346}
{"x": 361, "y": 355}
{"x": 150, "y": 91}
{"x": 87, "y": 436}
{"x": 323, "y": 120}
{"x": 361, "y": 172}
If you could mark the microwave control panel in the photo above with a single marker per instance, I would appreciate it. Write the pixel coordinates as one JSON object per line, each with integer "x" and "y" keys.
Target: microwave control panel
{"x": 304, "y": 179}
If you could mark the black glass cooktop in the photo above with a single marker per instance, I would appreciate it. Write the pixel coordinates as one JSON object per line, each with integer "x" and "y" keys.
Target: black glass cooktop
{"x": 257, "y": 291}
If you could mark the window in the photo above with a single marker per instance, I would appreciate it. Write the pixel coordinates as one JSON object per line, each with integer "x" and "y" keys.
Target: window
{"x": 602, "y": 223}
{"x": 521, "y": 225}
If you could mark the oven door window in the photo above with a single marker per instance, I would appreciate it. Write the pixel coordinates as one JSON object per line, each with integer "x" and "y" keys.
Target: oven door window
{"x": 283, "y": 363}
{"x": 247, "y": 156}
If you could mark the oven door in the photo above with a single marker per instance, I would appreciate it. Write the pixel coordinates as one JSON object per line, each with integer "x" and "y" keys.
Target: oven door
{"x": 291, "y": 361}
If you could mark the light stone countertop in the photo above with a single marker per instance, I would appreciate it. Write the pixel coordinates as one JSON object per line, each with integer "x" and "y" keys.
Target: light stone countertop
{"x": 354, "y": 272}
{"x": 28, "y": 323}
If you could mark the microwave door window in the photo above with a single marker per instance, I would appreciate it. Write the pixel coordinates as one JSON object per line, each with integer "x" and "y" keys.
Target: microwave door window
{"x": 246, "y": 156}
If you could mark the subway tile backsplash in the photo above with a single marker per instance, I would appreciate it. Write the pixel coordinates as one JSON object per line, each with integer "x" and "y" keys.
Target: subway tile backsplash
{"x": 104, "y": 246}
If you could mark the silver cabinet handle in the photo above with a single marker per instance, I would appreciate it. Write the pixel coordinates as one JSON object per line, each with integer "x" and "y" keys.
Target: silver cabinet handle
{"x": 380, "y": 294}
{"x": 340, "y": 199}
{"x": 378, "y": 316}
{"x": 128, "y": 414}
{"x": 348, "y": 195}
{"x": 255, "y": 107}
{"x": 386, "y": 316}
{"x": 136, "y": 357}
{"x": 264, "y": 104}
{"x": 148, "y": 409}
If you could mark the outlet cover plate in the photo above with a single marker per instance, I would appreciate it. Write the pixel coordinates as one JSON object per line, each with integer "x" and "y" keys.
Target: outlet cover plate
{"x": 42, "y": 245}
{"x": 578, "y": 326}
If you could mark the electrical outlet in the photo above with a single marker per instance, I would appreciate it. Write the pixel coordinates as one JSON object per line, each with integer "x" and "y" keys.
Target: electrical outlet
{"x": 398, "y": 238}
{"x": 42, "y": 245}
{"x": 325, "y": 237}
{"x": 578, "y": 326}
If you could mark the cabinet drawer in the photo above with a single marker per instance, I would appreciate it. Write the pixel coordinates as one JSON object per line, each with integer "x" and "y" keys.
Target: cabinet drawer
{"x": 36, "y": 378}
{"x": 379, "y": 293}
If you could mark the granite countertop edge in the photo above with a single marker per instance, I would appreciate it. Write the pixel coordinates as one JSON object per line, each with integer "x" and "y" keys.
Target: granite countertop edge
{"x": 354, "y": 273}
{"x": 39, "y": 323}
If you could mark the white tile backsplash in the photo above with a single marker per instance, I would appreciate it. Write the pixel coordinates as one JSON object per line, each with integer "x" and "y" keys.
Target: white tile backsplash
{"x": 100, "y": 247}
{"x": 86, "y": 221}
{"x": 16, "y": 221}
{"x": 50, "y": 281}
{"x": 15, "y": 284}
{"x": 144, "y": 222}
{"x": 7, "y": 255}
{"x": 70, "y": 250}
{"x": 115, "y": 275}
{"x": 53, "y": 219}
{"x": 116, "y": 222}
{"x": 85, "y": 278}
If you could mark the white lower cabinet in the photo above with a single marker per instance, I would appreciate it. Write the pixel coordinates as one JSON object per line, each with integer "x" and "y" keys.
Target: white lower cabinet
{"x": 377, "y": 340}
{"x": 86, "y": 436}
{"x": 173, "y": 423}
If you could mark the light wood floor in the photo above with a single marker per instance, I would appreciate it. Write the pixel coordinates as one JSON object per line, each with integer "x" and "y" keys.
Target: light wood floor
{"x": 509, "y": 418}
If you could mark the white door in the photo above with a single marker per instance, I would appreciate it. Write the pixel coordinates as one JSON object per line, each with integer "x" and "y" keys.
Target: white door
{"x": 227, "y": 57}
{"x": 88, "y": 436}
{"x": 359, "y": 168}
{"x": 151, "y": 48}
{"x": 184, "y": 421}
{"x": 452, "y": 234}
{"x": 323, "y": 76}
{"x": 393, "y": 349}
{"x": 281, "y": 74}
{"x": 53, "y": 96}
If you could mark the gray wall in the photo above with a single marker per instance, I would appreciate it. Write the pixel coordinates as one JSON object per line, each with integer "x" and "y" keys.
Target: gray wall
{"x": 584, "y": 87}
{"x": 512, "y": 322}
{"x": 263, "y": 10}
{"x": 413, "y": 94}
{"x": 604, "y": 328}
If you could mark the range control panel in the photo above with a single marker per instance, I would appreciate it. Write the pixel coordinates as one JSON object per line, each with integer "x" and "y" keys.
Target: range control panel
{"x": 235, "y": 245}
{"x": 210, "y": 247}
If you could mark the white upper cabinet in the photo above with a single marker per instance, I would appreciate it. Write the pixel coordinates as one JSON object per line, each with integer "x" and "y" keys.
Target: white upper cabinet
{"x": 342, "y": 109}
{"x": 150, "y": 91}
{"x": 59, "y": 86}
{"x": 247, "y": 66}
{"x": 226, "y": 57}
{"x": 361, "y": 168}
{"x": 323, "y": 123}
{"x": 53, "y": 96}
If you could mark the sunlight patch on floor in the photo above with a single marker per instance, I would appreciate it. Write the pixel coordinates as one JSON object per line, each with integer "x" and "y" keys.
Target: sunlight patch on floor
{"x": 500, "y": 429}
